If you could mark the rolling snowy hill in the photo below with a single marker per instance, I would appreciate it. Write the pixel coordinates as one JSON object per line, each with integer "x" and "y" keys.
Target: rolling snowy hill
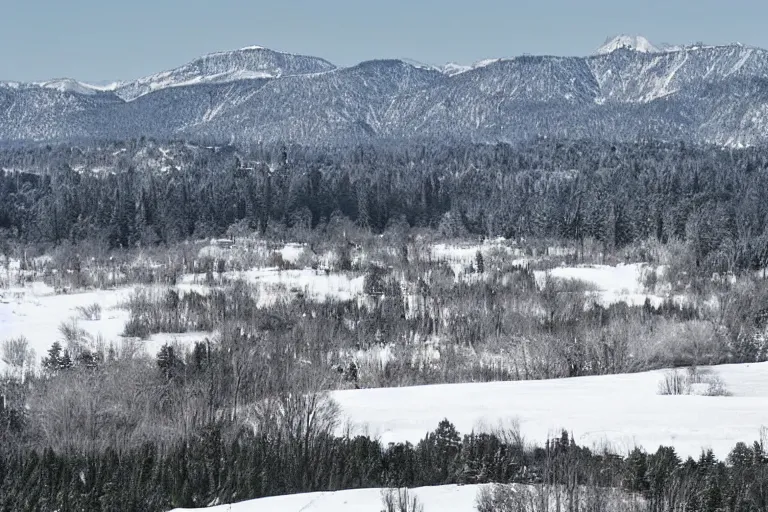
{"x": 620, "y": 411}
{"x": 444, "y": 498}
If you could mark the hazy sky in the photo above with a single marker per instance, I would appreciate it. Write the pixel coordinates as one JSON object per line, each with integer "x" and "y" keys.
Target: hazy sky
{"x": 98, "y": 40}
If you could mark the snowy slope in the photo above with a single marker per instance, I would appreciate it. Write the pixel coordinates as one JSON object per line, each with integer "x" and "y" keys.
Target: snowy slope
{"x": 623, "y": 410}
{"x": 636, "y": 43}
{"x": 244, "y": 64}
{"x": 77, "y": 87}
{"x": 452, "y": 68}
{"x": 445, "y": 498}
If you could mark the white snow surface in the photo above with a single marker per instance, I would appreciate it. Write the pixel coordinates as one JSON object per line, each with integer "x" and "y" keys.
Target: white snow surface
{"x": 75, "y": 86}
{"x": 275, "y": 284}
{"x": 612, "y": 284}
{"x": 453, "y": 68}
{"x": 636, "y": 43}
{"x": 36, "y": 313}
{"x": 622, "y": 411}
{"x": 444, "y": 498}
{"x": 292, "y": 252}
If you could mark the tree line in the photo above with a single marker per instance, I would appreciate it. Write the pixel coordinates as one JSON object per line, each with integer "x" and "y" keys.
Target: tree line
{"x": 614, "y": 194}
{"x": 215, "y": 465}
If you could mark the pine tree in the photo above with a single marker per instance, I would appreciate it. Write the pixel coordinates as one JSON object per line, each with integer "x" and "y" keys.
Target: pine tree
{"x": 637, "y": 466}
{"x": 66, "y": 361}
{"x": 479, "y": 263}
{"x": 447, "y": 445}
{"x": 53, "y": 361}
{"x": 168, "y": 362}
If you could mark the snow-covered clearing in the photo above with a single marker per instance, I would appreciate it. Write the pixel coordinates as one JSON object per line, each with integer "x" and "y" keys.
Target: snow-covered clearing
{"x": 460, "y": 256}
{"x": 292, "y": 252}
{"x": 444, "y": 498}
{"x": 466, "y": 253}
{"x": 37, "y": 313}
{"x": 622, "y": 283}
{"x": 622, "y": 410}
{"x": 274, "y": 284}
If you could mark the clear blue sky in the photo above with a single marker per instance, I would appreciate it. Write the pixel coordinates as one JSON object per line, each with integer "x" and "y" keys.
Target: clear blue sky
{"x": 124, "y": 39}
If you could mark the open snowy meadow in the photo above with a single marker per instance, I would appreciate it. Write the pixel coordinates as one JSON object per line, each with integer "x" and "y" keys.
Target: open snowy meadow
{"x": 616, "y": 412}
{"x": 443, "y": 498}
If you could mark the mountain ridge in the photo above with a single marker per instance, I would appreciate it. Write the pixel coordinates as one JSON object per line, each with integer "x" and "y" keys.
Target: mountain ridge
{"x": 698, "y": 93}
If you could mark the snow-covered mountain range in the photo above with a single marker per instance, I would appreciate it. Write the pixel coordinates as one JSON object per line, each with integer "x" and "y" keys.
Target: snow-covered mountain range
{"x": 629, "y": 89}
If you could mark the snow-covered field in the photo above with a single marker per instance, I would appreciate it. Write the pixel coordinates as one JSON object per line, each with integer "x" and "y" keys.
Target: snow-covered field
{"x": 461, "y": 256}
{"x": 444, "y": 498}
{"x": 622, "y": 410}
{"x": 36, "y": 313}
{"x": 622, "y": 283}
{"x": 274, "y": 284}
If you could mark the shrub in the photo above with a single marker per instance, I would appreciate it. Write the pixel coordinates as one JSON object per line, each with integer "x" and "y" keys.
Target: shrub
{"x": 716, "y": 387}
{"x": 400, "y": 500}
{"x": 137, "y": 327}
{"x": 649, "y": 279}
{"x": 17, "y": 354}
{"x": 674, "y": 383}
{"x": 503, "y": 498}
{"x": 74, "y": 336}
{"x": 695, "y": 381}
{"x": 276, "y": 260}
{"x": 375, "y": 280}
{"x": 90, "y": 312}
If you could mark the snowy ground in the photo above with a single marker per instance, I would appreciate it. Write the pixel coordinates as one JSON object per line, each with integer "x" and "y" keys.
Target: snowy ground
{"x": 274, "y": 284}
{"x": 444, "y": 498}
{"x": 462, "y": 256}
{"x": 622, "y": 283}
{"x": 292, "y": 252}
{"x": 36, "y": 313}
{"x": 622, "y": 410}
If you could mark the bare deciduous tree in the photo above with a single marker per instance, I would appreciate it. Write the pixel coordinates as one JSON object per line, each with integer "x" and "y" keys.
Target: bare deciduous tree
{"x": 17, "y": 354}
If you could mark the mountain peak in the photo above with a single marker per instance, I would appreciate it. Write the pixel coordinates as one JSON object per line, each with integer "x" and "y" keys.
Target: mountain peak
{"x": 251, "y": 62}
{"x": 244, "y": 49}
{"x": 635, "y": 43}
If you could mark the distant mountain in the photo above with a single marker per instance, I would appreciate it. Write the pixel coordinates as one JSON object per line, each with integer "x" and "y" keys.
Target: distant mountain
{"x": 629, "y": 90}
{"x": 452, "y": 68}
{"x": 246, "y": 63}
{"x": 636, "y": 43}
{"x": 74, "y": 86}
